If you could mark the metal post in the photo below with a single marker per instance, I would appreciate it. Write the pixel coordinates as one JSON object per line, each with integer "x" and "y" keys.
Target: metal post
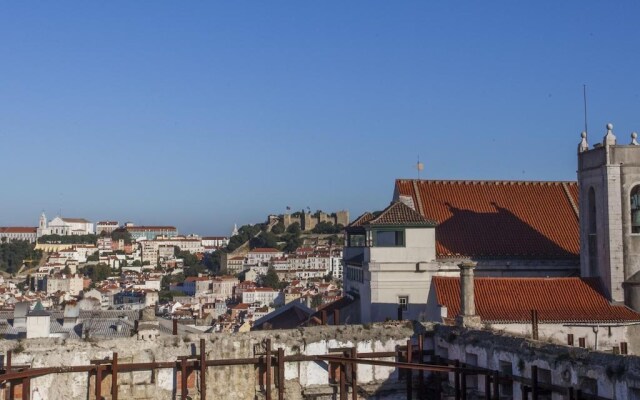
{"x": 203, "y": 370}
{"x": 98, "y": 382}
{"x": 12, "y": 388}
{"x": 268, "y": 370}
{"x": 354, "y": 374}
{"x": 114, "y": 377}
{"x": 280, "y": 373}
{"x": 184, "y": 391}
{"x": 26, "y": 389}
{"x": 343, "y": 383}
{"x": 409, "y": 373}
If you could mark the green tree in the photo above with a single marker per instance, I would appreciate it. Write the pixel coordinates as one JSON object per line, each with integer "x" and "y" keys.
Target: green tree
{"x": 325, "y": 227}
{"x": 121, "y": 234}
{"x": 316, "y": 300}
{"x": 188, "y": 258}
{"x": 271, "y": 279}
{"x": 278, "y": 228}
{"x": 264, "y": 239}
{"x": 17, "y": 252}
{"x": 294, "y": 229}
{"x": 97, "y": 272}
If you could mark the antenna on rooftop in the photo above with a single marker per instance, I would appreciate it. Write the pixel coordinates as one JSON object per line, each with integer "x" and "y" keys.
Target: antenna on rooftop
{"x": 419, "y": 166}
{"x": 584, "y": 97}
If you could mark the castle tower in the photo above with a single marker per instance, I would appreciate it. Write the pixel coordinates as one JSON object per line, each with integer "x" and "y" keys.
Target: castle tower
{"x": 609, "y": 184}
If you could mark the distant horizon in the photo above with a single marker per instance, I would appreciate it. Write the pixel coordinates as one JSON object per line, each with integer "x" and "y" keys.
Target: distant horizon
{"x": 202, "y": 115}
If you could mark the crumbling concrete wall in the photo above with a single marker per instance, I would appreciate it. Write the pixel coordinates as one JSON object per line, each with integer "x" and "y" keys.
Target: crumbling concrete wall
{"x": 226, "y": 382}
{"x": 608, "y": 375}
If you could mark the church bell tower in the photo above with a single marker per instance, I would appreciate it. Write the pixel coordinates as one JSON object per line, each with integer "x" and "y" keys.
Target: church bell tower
{"x": 609, "y": 182}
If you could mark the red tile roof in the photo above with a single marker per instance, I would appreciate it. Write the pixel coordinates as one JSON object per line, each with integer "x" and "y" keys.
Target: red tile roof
{"x": 361, "y": 220}
{"x": 264, "y": 250}
{"x": 489, "y": 219}
{"x": 399, "y": 213}
{"x": 18, "y": 229}
{"x": 556, "y": 300}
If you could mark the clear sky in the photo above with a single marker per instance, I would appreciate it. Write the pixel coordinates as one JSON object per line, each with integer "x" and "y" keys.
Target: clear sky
{"x": 200, "y": 114}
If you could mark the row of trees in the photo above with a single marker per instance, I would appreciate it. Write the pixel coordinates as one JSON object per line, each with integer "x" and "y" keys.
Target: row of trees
{"x": 69, "y": 239}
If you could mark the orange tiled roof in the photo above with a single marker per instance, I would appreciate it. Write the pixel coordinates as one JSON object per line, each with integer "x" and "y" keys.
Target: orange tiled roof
{"x": 556, "y": 300}
{"x": 499, "y": 218}
{"x": 361, "y": 220}
{"x": 399, "y": 213}
{"x": 18, "y": 229}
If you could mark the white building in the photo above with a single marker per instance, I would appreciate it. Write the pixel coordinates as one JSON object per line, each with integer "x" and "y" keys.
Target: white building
{"x": 11, "y": 233}
{"x": 262, "y": 255}
{"x": 64, "y": 226}
{"x": 264, "y": 296}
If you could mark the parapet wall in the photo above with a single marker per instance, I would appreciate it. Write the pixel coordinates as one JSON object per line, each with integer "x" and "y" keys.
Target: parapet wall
{"x": 606, "y": 375}
{"x": 222, "y": 382}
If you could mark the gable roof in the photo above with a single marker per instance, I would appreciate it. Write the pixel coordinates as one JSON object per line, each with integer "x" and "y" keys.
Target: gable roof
{"x": 399, "y": 213}
{"x": 577, "y": 300}
{"x": 498, "y": 219}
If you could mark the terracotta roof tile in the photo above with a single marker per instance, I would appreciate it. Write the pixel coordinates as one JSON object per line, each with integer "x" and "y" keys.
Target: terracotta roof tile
{"x": 499, "y": 218}
{"x": 361, "y": 220}
{"x": 399, "y": 213}
{"x": 556, "y": 300}
{"x": 18, "y": 229}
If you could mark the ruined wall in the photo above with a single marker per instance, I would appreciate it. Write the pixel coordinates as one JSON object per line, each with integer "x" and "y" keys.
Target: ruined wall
{"x": 605, "y": 374}
{"x": 228, "y": 382}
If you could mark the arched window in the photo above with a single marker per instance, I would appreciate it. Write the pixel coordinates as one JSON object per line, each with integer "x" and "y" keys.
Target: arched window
{"x": 634, "y": 197}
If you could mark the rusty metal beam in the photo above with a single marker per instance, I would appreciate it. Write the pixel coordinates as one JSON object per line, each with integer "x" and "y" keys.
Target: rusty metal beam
{"x": 114, "y": 376}
{"x": 267, "y": 361}
{"x": 184, "y": 390}
{"x": 393, "y": 364}
{"x": 98, "y": 381}
{"x": 354, "y": 374}
{"x": 281, "y": 388}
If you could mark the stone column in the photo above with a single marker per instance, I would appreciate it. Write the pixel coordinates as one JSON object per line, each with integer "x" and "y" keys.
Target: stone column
{"x": 467, "y": 316}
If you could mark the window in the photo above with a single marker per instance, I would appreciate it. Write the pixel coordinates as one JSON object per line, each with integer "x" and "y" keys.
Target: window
{"x": 403, "y": 302}
{"x": 635, "y": 209}
{"x": 356, "y": 240}
{"x": 389, "y": 238}
{"x": 506, "y": 369}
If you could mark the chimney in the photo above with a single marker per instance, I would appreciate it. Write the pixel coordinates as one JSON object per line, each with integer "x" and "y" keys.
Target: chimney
{"x": 467, "y": 317}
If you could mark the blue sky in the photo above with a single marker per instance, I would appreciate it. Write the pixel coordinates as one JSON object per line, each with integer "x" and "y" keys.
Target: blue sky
{"x": 201, "y": 114}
